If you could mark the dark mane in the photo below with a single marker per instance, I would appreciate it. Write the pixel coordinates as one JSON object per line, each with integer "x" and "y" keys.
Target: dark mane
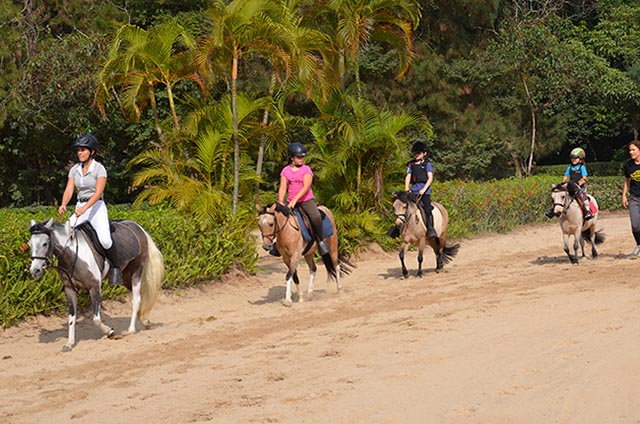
{"x": 402, "y": 196}
{"x": 40, "y": 228}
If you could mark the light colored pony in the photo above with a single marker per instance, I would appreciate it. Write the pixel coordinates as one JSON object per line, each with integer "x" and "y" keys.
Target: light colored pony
{"x": 572, "y": 222}
{"x": 81, "y": 267}
{"x": 413, "y": 231}
{"x": 278, "y": 224}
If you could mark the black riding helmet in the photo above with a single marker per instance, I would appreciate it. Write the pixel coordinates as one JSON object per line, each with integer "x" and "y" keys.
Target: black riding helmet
{"x": 418, "y": 147}
{"x": 88, "y": 141}
{"x": 296, "y": 149}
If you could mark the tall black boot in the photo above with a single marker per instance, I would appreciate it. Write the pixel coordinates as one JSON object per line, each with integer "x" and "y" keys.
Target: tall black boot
{"x": 431, "y": 232}
{"x": 115, "y": 275}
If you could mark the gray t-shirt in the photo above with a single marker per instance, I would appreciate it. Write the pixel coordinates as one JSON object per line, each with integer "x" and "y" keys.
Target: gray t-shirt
{"x": 86, "y": 184}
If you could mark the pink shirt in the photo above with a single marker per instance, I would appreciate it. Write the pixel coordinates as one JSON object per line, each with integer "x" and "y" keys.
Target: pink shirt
{"x": 295, "y": 182}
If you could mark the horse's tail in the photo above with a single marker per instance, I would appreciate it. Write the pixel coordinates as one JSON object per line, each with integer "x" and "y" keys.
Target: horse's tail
{"x": 599, "y": 237}
{"x": 152, "y": 276}
{"x": 331, "y": 268}
{"x": 346, "y": 266}
{"x": 449, "y": 251}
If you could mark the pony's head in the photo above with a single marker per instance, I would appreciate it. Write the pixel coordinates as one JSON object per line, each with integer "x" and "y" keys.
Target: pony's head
{"x": 559, "y": 194}
{"x": 267, "y": 224}
{"x": 401, "y": 200}
{"x": 41, "y": 246}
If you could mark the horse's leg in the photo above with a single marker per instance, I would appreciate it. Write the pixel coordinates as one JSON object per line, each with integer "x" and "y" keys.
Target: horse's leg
{"x": 592, "y": 232}
{"x": 96, "y": 304}
{"x": 72, "y": 303}
{"x": 420, "y": 257}
{"x": 576, "y": 243}
{"x": 312, "y": 276}
{"x": 135, "y": 303}
{"x": 403, "y": 249}
{"x": 292, "y": 264}
{"x": 565, "y": 239}
{"x": 438, "y": 250}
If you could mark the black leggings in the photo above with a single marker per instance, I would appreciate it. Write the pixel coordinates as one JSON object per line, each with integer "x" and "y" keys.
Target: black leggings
{"x": 425, "y": 201}
{"x": 310, "y": 208}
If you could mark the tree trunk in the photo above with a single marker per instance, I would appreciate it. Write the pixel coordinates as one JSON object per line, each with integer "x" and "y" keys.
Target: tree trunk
{"x": 154, "y": 109}
{"x": 533, "y": 125}
{"x": 236, "y": 143}
{"x": 265, "y": 121}
{"x": 172, "y": 105}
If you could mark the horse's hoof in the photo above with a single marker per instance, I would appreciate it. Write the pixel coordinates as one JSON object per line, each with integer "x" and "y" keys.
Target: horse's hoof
{"x": 287, "y": 303}
{"x": 419, "y": 275}
{"x": 67, "y": 348}
{"x": 111, "y": 333}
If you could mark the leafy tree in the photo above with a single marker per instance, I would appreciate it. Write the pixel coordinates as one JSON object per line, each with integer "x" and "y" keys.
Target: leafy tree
{"x": 240, "y": 29}
{"x": 140, "y": 61}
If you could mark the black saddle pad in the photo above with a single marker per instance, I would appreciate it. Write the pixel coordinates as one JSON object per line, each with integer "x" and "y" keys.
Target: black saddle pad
{"x": 127, "y": 244}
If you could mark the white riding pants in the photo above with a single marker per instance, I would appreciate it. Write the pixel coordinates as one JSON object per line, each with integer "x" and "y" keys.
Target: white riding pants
{"x": 98, "y": 216}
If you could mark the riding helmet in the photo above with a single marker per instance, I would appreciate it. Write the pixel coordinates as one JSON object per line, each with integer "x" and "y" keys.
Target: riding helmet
{"x": 88, "y": 141}
{"x": 418, "y": 147}
{"x": 577, "y": 153}
{"x": 296, "y": 149}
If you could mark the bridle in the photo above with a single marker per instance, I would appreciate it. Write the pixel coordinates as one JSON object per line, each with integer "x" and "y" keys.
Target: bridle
{"x": 272, "y": 237}
{"x": 403, "y": 217}
{"x": 567, "y": 202}
{"x": 55, "y": 251}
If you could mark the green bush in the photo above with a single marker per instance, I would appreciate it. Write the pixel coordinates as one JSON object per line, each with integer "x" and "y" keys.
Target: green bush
{"x": 595, "y": 169}
{"x": 193, "y": 255}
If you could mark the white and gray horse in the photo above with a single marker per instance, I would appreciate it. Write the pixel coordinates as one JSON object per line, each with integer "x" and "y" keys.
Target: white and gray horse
{"x": 572, "y": 222}
{"x": 82, "y": 267}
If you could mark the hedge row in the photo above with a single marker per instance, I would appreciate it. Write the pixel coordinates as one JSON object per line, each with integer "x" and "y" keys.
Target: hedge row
{"x": 194, "y": 255}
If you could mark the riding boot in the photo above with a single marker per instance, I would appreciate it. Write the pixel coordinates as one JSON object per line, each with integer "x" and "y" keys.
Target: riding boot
{"x": 549, "y": 213}
{"x": 274, "y": 251}
{"x": 431, "y": 232}
{"x": 115, "y": 275}
{"x": 394, "y": 232}
{"x": 587, "y": 210}
{"x": 323, "y": 249}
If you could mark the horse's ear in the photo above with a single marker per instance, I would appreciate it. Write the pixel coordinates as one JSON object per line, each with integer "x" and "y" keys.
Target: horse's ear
{"x": 260, "y": 209}
{"x": 49, "y": 223}
{"x": 553, "y": 186}
{"x": 33, "y": 222}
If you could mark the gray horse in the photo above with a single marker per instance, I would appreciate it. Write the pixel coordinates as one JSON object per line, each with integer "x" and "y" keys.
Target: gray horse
{"x": 572, "y": 221}
{"x": 82, "y": 267}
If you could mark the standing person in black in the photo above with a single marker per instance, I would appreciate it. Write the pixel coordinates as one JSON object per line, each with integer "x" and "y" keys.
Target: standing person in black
{"x": 632, "y": 188}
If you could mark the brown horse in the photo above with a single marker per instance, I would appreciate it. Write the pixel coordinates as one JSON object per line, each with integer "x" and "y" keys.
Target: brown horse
{"x": 413, "y": 231}
{"x": 279, "y": 224}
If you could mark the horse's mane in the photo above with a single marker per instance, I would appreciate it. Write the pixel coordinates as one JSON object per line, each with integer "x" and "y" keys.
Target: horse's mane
{"x": 40, "y": 228}
{"x": 570, "y": 187}
{"x": 402, "y": 196}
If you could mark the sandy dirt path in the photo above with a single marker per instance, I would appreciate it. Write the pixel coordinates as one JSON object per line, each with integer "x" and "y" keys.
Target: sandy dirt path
{"x": 509, "y": 332}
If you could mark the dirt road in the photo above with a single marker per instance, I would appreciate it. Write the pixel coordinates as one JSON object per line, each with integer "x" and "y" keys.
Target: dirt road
{"x": 509, "y": 332}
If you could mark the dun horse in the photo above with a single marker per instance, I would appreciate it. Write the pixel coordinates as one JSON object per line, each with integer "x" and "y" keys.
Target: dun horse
{"x": 413, "y": 231}
{"x": 572, "y": 222}
{"x": 81, "y": 267}
{"x": 280, "y": 225}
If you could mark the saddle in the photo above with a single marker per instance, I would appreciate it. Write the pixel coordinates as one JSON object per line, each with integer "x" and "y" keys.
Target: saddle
{"x": 305, "y": 225}
{"x": 128, "y": 246}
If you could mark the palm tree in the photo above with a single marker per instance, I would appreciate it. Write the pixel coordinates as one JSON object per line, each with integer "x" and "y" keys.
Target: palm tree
{"x": 200, "y": 183}
{"x": 240, "y": 29}
{"x": 356, "y": 23}
{"x": 358, "y": 144}
{"x": 138, "y": 62}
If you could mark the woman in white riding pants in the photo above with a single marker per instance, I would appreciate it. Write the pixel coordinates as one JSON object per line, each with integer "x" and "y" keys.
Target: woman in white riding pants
{"x": 89, "y": 177}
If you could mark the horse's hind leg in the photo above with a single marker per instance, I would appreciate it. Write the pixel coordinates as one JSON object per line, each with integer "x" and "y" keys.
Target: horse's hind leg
{"x": 96, "y": 304}
{"x": 136, "y": 286}
{"x": 312, "y": 276}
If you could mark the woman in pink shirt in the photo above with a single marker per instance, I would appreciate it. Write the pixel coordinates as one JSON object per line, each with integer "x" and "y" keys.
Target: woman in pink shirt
{"x": 295, "y": 183}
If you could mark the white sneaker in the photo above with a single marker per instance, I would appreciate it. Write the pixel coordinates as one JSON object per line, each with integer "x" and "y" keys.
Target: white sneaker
{"x": 636, "y": 251}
